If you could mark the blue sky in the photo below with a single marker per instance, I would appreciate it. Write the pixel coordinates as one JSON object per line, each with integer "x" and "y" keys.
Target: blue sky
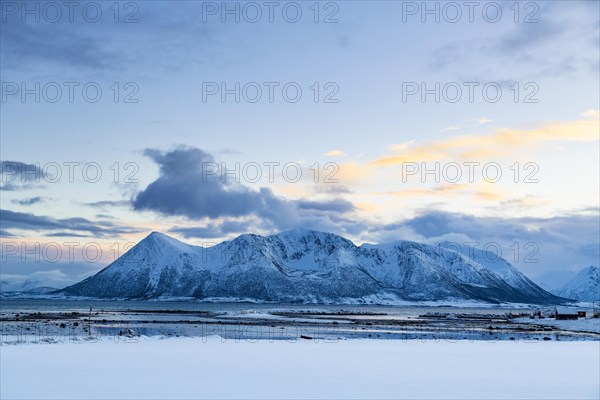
{"x": 368, "y": 134}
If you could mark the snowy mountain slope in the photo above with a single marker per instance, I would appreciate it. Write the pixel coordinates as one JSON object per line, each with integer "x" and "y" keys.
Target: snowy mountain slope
{"x": 584, "y": 286}
{"x": 28, "y": 286}
{"x": 493, "y": 262}
{"x": 304, "y": 266}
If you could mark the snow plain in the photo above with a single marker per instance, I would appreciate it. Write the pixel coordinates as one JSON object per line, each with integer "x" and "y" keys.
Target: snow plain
{"x": 191, "y": 368}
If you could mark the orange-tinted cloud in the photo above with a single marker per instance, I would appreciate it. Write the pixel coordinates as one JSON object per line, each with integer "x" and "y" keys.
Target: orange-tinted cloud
{"x": 500, "y": 143}
{"x": 335, "y": 153}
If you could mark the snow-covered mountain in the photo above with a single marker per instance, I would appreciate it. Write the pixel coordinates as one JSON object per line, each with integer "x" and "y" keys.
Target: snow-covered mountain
{"x": 584, "y": 286}
{"x": 306, "y": 266}
{"x": 28, "y": 286}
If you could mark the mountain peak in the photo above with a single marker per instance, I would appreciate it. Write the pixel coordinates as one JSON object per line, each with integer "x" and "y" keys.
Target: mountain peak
{"x": 584, "y": 286}
{"x": 303, "y": 233}
{"x": 156, "y": 234}
{"x": 161, "y": 239}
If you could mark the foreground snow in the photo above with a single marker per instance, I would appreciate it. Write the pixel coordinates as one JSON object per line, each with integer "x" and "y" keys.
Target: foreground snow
{"x": 210, "y": 368}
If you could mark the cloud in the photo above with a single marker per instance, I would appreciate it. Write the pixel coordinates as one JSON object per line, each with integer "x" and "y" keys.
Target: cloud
{"x": 66, "y": 234}
{"x": 401, "y": 146}
{"x": 217, "y": 229}
{"x": 352, "y": 172}
{"x": 29, "y": 201}
{"x": 53, "y": 278}
{"x": 474, "y": 123}
{"x": 17, "y": 175}
{"x": 335, "y": 153}
{"x": 543, "y": 248}
{"x": 108, "y": 203}
{"x": 527, "y": 36}
{"x": 591, "y": 113}
{"x": 563, "y": 41}
{"x": 208, "y": 232}
{"x": 52, "y": 43}
{"x": 439, "y": 190}
{"x": 15, "y": 272}
{"x": 165, "y": 38}
{"x": 335, "y": 205}
{"x": 104, "y": 216}
{"x": 451, "y": 128}
{"x": 500, "y": 143}
{"x": 333, "y": 189}
{"x": 38, "y": 223}
{"x": 185, "y": 187}
{"x": 525, "y": 203}
{"x": 482, "y": 192}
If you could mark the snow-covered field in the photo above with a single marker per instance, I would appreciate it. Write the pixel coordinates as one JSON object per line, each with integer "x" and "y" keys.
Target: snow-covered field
{"x": 186, "y": 368}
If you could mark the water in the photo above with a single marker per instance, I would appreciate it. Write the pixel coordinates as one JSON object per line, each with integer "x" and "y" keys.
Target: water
{"x": 83, "y": 306}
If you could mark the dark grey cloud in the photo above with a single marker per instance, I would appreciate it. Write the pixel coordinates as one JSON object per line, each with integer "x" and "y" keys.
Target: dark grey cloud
{"x": 29, "y": 201}
{"x": 524, "y": 46}
{"x": 235, "y": 226}
{"x": 218, "y": 229}
{"x": 38, "y": 223}
{"x": 57, "y": 44}
{"x": 528, "y": 36}
{"x": 9, "y": 187}
{"x": 208, "y": 232}
{"x": 104, "y": 216}
{"x": 12, "y": 219}
{"x": 109, "y": 203}
{"x": 546, "y": 249}
{"x": 559, "y": 43}
{"x": 4, "y": 233}
{"x": 437, "y": 224}
{"x": 163, "y": 37}
{"x": 185, "y": 188}
{"x": 17, "y": 175}
{"x": 334, "y": 205}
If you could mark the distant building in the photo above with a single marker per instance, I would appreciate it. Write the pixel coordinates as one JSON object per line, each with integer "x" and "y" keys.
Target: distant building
{"x": 565, "y": 313}
{"x": 581, "y": 314}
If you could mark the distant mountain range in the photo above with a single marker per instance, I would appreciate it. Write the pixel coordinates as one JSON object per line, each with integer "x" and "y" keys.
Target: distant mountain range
{"x": 28, "y": 286}
{"x": 584, "y": 286}
{"x": 308, "y": 267}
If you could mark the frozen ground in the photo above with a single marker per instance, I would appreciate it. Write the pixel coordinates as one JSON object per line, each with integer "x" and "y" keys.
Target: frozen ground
{"x": 45, "y": 320}
{"x": 186, "y": 368}
{"x": 578, "y": 325}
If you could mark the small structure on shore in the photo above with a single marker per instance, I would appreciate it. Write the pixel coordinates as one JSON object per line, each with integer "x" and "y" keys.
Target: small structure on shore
{"x": 563, "y": 313}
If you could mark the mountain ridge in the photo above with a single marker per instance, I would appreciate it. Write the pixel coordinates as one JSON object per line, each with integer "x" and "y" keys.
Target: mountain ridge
{"x": 306, "y": 266}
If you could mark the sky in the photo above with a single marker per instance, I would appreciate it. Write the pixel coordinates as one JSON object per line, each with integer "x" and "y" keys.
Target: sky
{"x": 378, "y": 120}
